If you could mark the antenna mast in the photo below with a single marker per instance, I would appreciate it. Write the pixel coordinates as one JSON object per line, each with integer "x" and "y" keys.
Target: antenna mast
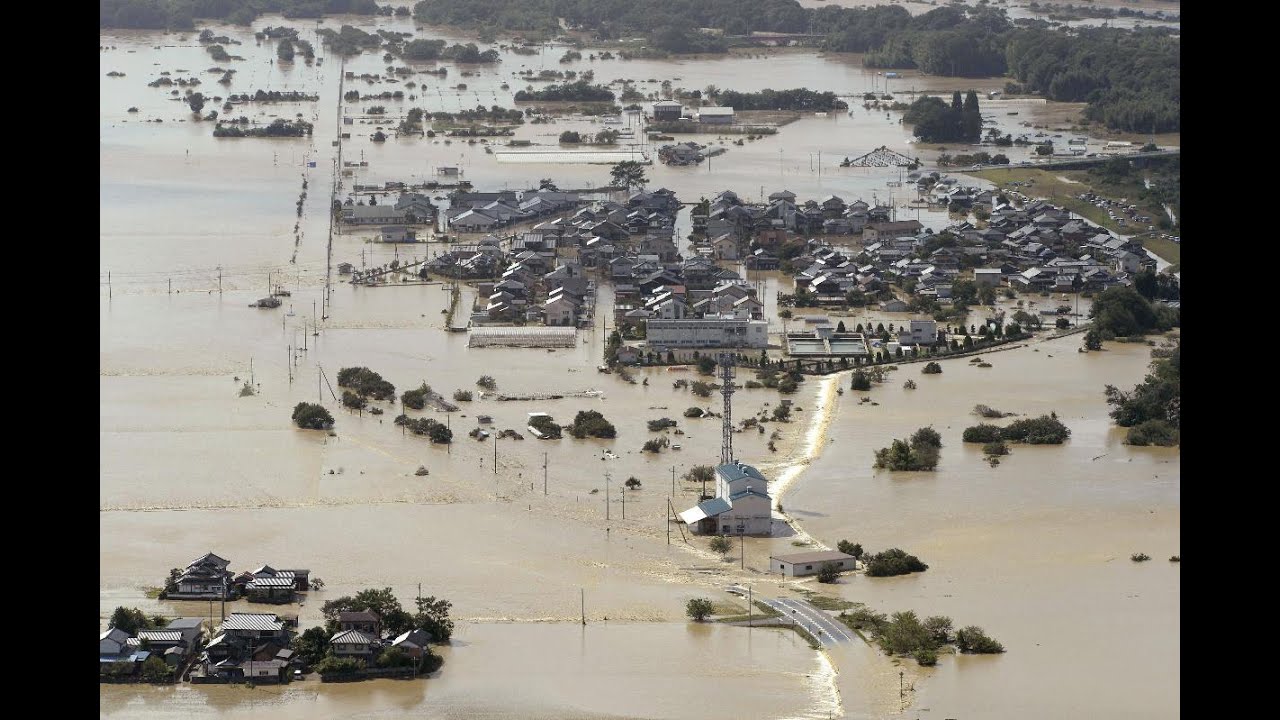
{"x": 725, "y": 362}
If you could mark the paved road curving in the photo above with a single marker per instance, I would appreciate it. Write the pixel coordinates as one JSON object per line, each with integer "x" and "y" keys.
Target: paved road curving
{"x": 825, "y": 628}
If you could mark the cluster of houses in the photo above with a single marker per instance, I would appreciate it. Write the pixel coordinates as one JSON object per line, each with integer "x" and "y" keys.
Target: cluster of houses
{"x": 250, "y": 646}
{"x": 174, "y": 643}
{"x": 530, "y": 292}
{"x": 541, "y": 275}
{"x": 728, "y": 224}
{"x": 1036, "y": 248}
{"x": 207, "y": 578}
{"x": 477, "y": 212}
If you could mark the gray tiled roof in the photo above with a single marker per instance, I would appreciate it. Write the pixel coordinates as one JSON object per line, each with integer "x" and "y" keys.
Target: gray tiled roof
{"x": 252, "y": 621}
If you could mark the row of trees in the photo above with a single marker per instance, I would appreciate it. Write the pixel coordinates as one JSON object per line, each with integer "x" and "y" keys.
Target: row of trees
{"x": 906, "y": 634}
{"x": 182, "y": 14}
{"x": 579, "y": 91}
{"x": 278, "y": 128}
{"x": 428, "y": 50}
{"x": 1043, "y": 430}
{"x": 801, "y": 99}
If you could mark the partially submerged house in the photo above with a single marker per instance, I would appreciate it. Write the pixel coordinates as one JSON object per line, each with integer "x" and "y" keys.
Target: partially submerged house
{"x": 741, "y": 505}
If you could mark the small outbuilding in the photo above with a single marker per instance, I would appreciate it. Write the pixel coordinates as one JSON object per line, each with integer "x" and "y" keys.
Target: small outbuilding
{"x": 810, "y": 563}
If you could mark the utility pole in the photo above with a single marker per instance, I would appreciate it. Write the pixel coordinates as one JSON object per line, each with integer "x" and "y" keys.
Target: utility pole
{"x": 673, "y": 481}
{"x": 251, "y": 383}
{"x": 170, "y": 286}
{"x": 742, "y": 550}
{"x": 109, "y": 283}
{"x": 544, "y": 473}
{"x": 750, "y": 619}
{"x": 668, "y": 521}
{"x": 219, "y": 279}
{"x": 584, "y": 606}
{"x": 288, "y": 363}
{"x": 623, "y": 490}
{"x": 495, "y": 454}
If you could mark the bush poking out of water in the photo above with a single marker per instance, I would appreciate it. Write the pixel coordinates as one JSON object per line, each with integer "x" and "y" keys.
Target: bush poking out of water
{"x": 462, "y": 395}
{"x": 908, "y": 385}
{"x": 926, "y": 657}
{"x": 656, "y": 445}
{"x": 246, "y": 390}
{"x": 1175, "y": 558}
{"x": 435, "y": 430}
{"x": 366, "y": 382}
{"x": 861, "y": 381}
{"x": 1153, "y": 432}
{"x": 931, "y": 368}
{"x": 310, "y": 416}
{"x": 546, "y": 426}
{"x": 693, "y": 412}
{"x": 632, "y": 483}
{"x": 701, "y": 473}
{"x": 753, "y": 384}
{"x": 893, "y": 561}
{"x": 989, "y": 412}
{"x": 982, "y": 433}
{"x": 698, "y": 609}
{"x": 591, "y": 423}
{"x": 848, "y": 548}
{"x": 919, "y": 453}
{"x": 972, "y": 640}
{"x": 1139, "y": 557}
{"x": 664, "y": 423}
{"x": 701, "y": 389}
{"x": 995, "y": 449}
{"x": 353, "y": 401}
{"x": 417, "y": 398}
{"x": 487, "y": 382}
{"x": 1044, "y": 430}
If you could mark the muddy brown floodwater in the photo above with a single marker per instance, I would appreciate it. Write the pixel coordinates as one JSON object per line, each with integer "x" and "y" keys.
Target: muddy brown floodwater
{"x": 1035, "y": 550}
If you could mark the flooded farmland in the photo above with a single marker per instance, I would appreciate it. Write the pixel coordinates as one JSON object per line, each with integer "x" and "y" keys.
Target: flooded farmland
{"x": 194, "y": 228}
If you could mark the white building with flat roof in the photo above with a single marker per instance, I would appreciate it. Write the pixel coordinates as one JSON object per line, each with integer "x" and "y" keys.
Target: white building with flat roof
{"x": 707, "y": 331}
{"x": 987, "y": 277}
{"x": 919, "y": 332}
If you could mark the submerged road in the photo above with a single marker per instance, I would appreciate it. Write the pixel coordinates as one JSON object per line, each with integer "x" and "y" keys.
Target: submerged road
{"x": 826, "y": 629}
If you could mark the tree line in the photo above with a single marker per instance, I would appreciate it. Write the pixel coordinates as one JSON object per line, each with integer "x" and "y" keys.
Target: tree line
{"x": 182, "y": 14}
{"x": 801, "y": 99}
